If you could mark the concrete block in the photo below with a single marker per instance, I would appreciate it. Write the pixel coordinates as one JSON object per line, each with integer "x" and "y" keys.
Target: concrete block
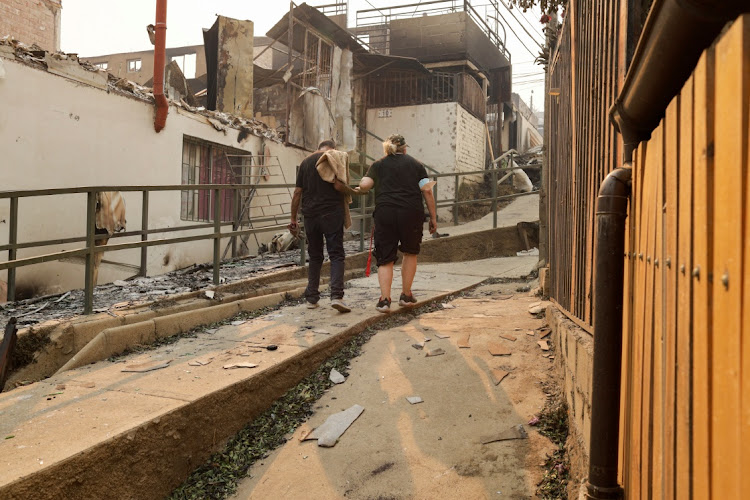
{"x": 279, "y": 199}
{"x": 584, "y": 364}
{"x": 272, "y": 210}
{"x": 586, "y": 429}
{"x": 83, "y": 333}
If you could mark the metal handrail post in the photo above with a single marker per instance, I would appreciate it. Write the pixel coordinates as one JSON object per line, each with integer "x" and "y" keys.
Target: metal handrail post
{"x": 494, "y": 198}
{"x": 217, "y": 236}
{"x": 12, "y": 252}
{"x": 88, "y": 287}
{"x": 455, "y": 198}
{"x": 362, "y": 203}
{"x": 144, "y": 237}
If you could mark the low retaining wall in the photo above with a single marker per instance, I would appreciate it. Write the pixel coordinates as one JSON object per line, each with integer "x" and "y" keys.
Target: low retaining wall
{"x": 574, "y": 362}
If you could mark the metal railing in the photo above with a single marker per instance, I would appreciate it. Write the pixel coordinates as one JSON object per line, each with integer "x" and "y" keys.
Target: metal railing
{"x": 213, "y": 230}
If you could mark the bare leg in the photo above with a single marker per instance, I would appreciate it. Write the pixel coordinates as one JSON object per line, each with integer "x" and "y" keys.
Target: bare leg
{"x": 408, "y": 270}
{"x": 385, "y": 278}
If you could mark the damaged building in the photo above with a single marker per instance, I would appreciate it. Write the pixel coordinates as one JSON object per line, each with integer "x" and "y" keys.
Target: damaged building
{"x": 243, "y": 109}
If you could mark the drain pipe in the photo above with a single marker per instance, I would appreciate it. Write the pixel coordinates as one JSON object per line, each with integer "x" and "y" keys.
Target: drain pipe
{"x": 673, "y": 39}
{"x": 162, "y": 105}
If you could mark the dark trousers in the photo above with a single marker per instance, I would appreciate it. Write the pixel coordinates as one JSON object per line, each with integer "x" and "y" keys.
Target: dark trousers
{"x": 331, "y": 227}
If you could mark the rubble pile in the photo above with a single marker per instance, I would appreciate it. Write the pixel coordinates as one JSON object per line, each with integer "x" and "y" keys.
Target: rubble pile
{"x": 34, "y": 55}
{"x": 146, "y": 289}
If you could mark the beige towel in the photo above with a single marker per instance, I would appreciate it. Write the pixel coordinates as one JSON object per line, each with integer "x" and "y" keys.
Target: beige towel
{"x": 332, "y": 165}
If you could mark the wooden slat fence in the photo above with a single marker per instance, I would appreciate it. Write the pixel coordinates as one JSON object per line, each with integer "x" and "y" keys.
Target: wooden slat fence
{"x": 685, "y": 429}
{"x": 585, "y": 74}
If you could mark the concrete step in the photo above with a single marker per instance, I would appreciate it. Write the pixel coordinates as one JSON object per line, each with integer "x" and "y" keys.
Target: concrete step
{"x": 101, "y": 432}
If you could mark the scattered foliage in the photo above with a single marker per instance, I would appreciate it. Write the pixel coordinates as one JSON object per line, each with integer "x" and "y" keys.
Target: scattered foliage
{"x": 553, "y": 423}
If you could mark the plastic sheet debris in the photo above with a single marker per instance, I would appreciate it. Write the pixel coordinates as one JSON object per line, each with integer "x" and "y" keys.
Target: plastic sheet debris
{"x": 515, "y": 432}
{"x": 335, "y": 426}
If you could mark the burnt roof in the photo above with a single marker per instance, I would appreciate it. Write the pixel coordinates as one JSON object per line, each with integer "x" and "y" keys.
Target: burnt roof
{"x": 368, "y": 62}
{"x": 320, "y": 23}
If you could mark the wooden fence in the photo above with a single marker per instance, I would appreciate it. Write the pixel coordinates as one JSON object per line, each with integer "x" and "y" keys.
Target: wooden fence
{"x": 585, "y": 74}
{"x": 685, "y": 424}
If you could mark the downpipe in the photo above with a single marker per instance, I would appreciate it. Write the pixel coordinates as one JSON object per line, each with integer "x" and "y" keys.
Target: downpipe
{"x": 160, "y": 42}
{"x": 609, "y": 271}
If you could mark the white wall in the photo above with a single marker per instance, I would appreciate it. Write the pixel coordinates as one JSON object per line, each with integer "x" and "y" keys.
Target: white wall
{"x": 57, "y": 133}
{"x": 443, "y": 136}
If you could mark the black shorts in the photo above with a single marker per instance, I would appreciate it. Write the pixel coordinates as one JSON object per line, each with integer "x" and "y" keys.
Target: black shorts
{"x": 394, "y": 225}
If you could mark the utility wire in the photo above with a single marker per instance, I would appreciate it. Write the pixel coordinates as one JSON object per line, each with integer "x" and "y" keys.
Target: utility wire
{"x": 521, "y": 24}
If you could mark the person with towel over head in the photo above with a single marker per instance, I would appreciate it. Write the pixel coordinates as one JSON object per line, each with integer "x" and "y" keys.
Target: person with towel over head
{"x": 400, "y": 183}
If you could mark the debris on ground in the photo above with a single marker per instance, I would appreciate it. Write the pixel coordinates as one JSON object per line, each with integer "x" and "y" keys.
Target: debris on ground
{"x": 199, "y": 362}
{"x": 498, "y": 375}
{"x": 240, "y": 365}
{"x": 553, "y": 424}
{"x": 441, "y": 336}
{"x": 414, "y": 399}
{"x": 508, "y": 337}
{"x": 515, "y": 432}
{"x": 146, "y": 367}
{"x": 336, "y": 377}
{"x": 464, "y": 342}
{"x": 544, "y": 345}
{"x": 498, "y": 349}
{"x": 537, "y": 308}
{"x": 335, "y": 426}
{"x": 434, "y": 352}
{"x": 418, "y": 346}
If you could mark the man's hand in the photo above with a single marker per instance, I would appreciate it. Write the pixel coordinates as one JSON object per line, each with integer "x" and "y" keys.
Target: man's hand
{"x": 293, "y": 228}
{"x": 433, "y": 226}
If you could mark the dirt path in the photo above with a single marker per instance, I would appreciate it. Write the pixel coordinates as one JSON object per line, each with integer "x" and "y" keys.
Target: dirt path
{"x": 396, "y": 450}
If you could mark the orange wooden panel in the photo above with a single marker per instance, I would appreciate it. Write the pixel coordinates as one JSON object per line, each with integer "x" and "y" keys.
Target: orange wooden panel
{"x": 745, "y": 374}
{"x": 683, "y": 264}
{"x": 656, "y": 143}
{"x": 702, "y": 263}
{"x": 627, "y": 311}
{"x": 669, "y": 269}
{"x": 650, "y": 214}
{"x": 636, "y": 375}
{"x": 726, "y": 348}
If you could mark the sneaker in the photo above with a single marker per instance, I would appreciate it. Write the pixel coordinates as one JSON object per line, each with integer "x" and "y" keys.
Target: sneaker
{"x": 406, "y": 300}
{"x": 313, "y": 305}
{"x": 384, "y": 305}
{"x": 340, "y": 306}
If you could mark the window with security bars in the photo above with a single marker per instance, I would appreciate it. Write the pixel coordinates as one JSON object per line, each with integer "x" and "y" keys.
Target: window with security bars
{"x": 318, "y": 63}
{"x": 207, "y": 163}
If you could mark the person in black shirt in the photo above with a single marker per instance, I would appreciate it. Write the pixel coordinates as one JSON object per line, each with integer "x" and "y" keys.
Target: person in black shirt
{"x": 400, "y": 184}
{"x": 323, "y": 210}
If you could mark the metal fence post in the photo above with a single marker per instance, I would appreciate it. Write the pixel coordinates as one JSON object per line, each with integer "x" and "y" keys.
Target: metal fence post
{"x": 362, "y": 224}
{"x": 144, "y": 236}
{"x": 88, "y": 287}
{"x": 455, "y": 201}
{"x": 217, "y": 236}
{"x": 12, "y": 253}
{"x": 494, "y": 198}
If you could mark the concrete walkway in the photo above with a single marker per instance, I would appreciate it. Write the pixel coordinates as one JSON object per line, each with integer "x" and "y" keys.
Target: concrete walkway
{"x": 521, "y": 209}
{"x": 100, "y": 431}
{"x": 432, "y": 449}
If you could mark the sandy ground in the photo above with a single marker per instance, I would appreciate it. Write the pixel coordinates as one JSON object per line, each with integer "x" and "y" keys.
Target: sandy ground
{"x": 431, "y": 450}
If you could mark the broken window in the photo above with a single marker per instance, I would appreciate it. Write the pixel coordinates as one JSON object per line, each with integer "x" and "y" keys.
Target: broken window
{"x": 102, "y": 65}
{"x": 186, "y": 62}
{"x": 207, "y": 163}
{"x": 134, "y": 65}
{"x": 317, "y": 64}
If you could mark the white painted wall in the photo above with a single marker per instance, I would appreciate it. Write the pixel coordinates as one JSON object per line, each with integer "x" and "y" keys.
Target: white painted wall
{"x": 57, "y": 133}
{"x": 443, "y": 136}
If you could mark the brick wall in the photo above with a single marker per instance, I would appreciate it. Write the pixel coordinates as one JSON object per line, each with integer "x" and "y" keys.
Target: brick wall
{"x": 32, "y": 21}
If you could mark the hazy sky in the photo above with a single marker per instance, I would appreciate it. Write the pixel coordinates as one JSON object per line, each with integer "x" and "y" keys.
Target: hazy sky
{"x": 96, "y": 27}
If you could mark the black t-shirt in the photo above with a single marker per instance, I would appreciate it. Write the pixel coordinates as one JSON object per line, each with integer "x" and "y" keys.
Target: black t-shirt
{"x": 397, "y": 181}
{"x": 318, "y": 196}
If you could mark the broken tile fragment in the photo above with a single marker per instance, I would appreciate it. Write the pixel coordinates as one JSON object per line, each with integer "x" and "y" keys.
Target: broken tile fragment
{"x": 210, "y": 294}
{"x": 435, "y": 352}
{"x": 240, "y": 365}
{"x": 238, "y": 323}
{"x": 335, "y": 426}
{"x": 448, "y": 306}
{"x": 321, "y": 331}
{"x": 498, "y": 375}
{"x": 544, "y": 345}
{"x": 507, "y": 336}
{"x": 515, "y": 432}
{"x": 146, "y": 367}
{"x": 419, "y": 346}
{"x": 545, "y": 332}
{"x": 531, "y": 333}
{"x": 537, "y": 308}
{"x": 441, "y": 336}
{"x": 336, "y": 377}
{"x": 498, "y": 349}
{"x": 463, "y": 343}
{"x": 414, "y": 399}
{"x": 200, "y": 362}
